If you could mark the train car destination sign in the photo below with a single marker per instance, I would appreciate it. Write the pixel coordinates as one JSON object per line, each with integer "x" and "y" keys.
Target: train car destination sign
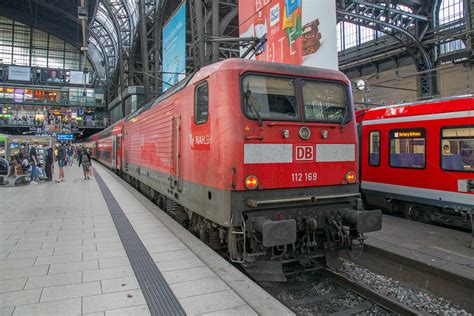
{"x": 408, "y": 134}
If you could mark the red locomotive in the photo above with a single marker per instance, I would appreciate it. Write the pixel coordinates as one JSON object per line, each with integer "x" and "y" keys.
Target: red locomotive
{"x": 418, "y": 160}
{"x": 258, "y": 158}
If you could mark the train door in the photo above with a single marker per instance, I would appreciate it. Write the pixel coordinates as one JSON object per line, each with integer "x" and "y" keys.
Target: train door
{"x": 114, "y": 152}
{"x": 176, "y": 181}
{"x": 118, "y": 154}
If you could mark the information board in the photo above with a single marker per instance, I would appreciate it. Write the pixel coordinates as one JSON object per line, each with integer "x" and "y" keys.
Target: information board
{"x": 64, "y": 137}
{"x": 17, "y": 73}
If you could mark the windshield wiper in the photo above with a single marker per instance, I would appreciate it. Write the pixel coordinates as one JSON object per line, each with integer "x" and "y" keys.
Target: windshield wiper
{"x": 343, "y": 119}
{"x": 248, "y": 93}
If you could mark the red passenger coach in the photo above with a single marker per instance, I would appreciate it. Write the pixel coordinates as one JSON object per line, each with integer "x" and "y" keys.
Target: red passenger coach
{"x": 259, "y": 158}
{"x": 418, "y": 159}
{"x": 107, "y": 146}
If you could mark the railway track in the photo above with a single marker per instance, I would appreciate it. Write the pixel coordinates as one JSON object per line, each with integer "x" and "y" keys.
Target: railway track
{"x": 330, "y": 293}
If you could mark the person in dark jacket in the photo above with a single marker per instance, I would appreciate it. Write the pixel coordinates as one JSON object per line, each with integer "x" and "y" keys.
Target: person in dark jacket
{"x": 80, "y": 151}
{"x": 85, "y": 160}
{"x": 48, "y": 162}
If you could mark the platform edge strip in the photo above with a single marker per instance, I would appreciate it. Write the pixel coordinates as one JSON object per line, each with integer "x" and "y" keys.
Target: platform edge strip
{"x": 158, "y": 294}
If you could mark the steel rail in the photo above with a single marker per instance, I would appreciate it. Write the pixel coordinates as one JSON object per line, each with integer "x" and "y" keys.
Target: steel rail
{"x": 372, "y": 295}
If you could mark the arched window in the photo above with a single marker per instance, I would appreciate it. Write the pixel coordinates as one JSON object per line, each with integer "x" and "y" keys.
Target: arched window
{"x": 451, "y": 15}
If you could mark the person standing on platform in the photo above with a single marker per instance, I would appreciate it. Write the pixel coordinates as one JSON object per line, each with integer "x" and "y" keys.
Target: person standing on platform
{"x": 70, "y": 153}
{"x": 80, "y": 151}
{"x": 34, "y": 162}
{"x": 48, "y": 163}
{"x": 61, "y": 162}
{"x": 85, "y": 160}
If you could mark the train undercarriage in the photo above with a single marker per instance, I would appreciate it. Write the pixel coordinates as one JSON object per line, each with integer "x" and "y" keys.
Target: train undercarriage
{"x": 459, "y": 218}
{"x": 273, "y": 242}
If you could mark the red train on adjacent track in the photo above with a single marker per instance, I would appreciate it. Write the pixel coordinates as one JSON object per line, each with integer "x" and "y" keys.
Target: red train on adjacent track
{"x": 418, "y": 160}
{"x": 258, "y": 158}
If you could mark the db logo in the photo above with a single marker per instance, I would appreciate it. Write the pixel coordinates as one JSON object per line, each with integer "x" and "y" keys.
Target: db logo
{"x": 304, "y": 153}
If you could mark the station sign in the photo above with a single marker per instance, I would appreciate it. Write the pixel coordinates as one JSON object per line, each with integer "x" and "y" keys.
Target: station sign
{"x": 64, "y": 137}
{"x": 298, "y": 32}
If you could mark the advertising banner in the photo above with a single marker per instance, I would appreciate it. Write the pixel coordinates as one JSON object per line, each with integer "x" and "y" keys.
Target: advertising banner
{"x": 174, "y": 48}
{"x": 299, "y": 32}
{"x": 19, "y": 73}
{"x": 77, "y": 77}
{"x": 51, "y": 75}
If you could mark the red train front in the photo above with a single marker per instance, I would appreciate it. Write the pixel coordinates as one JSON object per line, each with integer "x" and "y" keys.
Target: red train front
{"x": 418, "y": 160}
{"x": 259, "y": 158}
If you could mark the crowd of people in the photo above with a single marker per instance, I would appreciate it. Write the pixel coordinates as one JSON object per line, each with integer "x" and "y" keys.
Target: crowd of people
{"x": 50, "y": 119}
{"x": 42, "y": 170}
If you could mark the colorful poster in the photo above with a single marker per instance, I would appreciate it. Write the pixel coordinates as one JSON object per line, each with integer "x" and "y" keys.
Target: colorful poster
{"x": 174, "y": 48}
{"x": 299, "y": 32}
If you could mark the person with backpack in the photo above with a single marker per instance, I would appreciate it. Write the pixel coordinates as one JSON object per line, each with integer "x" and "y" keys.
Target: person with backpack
{"x": 79, "y": 153}
{"x": 70, "y": 153}
{"x": 61, "y": 162}
{"x": 48, "y": 162}
{"x": 85, "y": 160}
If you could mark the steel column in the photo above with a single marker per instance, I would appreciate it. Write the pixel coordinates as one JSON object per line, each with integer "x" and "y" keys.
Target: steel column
{"x": 144, "y": 48}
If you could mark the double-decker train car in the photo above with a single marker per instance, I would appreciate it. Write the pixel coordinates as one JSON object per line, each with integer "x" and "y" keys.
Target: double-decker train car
{"x": 418, "y": 160}
{"x": 258, "y": 158}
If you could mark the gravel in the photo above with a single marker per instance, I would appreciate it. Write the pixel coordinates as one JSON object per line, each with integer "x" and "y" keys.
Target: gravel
{"x": 414, "y": 299}
{"x": 312, "y": 285}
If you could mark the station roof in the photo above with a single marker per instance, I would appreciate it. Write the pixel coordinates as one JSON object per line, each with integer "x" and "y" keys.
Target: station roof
{"x": 112, "y": 25}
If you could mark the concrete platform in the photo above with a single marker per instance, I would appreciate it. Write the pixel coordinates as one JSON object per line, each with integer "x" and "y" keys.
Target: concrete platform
{"x": 61, "y": 254}
{"x": 443, "y": 248}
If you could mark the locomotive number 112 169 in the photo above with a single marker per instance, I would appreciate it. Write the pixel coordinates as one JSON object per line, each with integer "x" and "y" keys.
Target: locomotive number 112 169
{"x": 304, "y": 177}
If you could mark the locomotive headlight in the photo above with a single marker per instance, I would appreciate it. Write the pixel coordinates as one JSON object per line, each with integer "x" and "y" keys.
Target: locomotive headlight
{"x": 251, "y": 182}
{"x": 351, "y": 177}
{"x": 304, "y": 133}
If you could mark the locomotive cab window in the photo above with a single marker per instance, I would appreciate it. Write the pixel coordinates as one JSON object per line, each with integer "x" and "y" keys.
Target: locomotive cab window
{"x": 270, "y": 98}
{"x": 457, "y": 148}
{"x": 201, "y": 103}
{"x": 374, "y": 148}
{"x": 408, "y": 148}
{"x": 325, "y": 101}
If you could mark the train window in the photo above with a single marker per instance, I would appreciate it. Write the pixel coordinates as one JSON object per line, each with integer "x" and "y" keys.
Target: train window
{"x": 201, "y": 103}
{"x": 374, "y": 148}
{"x": 324, "y": 101}
{"x": 457, "y": 148}
{"x": 270, "y": 98}
{"x": 408, "y": 148}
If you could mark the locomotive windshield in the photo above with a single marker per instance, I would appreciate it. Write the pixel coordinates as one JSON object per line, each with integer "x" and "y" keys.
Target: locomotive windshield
{"x": 324, "y": 101}
{"x": 275, "y": 98}
{"x": 270, "y": 98}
